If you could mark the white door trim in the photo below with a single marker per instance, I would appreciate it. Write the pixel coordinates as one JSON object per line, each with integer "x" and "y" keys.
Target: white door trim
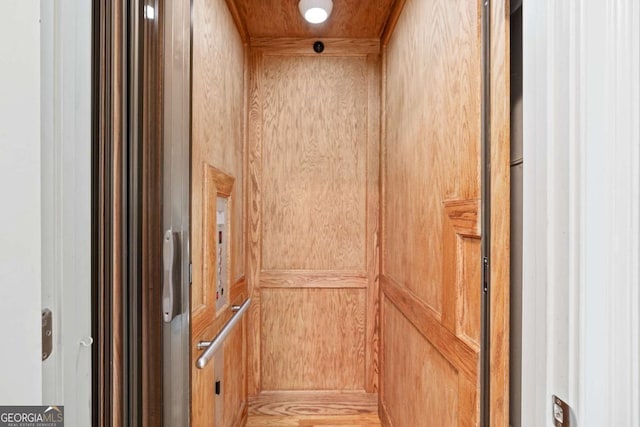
{"x": 582, "y": 216}
{"x": 65, "y": 76}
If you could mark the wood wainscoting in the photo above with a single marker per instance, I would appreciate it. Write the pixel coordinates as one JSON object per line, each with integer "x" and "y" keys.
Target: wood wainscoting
{"x": 431, "y": 272}
{"x": 313, "y": 221}
{"x": 218, "y": 169}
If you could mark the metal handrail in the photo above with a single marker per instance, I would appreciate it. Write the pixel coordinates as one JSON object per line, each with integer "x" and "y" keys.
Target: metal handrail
{"x": 213, "y": 346}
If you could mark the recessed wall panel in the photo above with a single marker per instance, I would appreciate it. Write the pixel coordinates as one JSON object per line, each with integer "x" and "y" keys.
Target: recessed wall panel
{"x": 313, "y": 339}
{"x": 314, "y": 163}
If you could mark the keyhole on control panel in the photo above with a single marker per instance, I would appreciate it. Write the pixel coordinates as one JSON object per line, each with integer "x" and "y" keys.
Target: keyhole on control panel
{"x": 222, "y": 250}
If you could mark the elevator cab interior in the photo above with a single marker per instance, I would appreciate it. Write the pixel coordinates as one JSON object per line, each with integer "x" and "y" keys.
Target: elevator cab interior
{"x": 339, "y": 201}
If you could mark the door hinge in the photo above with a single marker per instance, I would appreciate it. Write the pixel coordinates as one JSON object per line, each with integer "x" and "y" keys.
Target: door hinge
{"x": 47, "y": 333}
{"x": 485, "y": 274}
{"x": 190, "y": 274}
{"x": 561, "y": 412}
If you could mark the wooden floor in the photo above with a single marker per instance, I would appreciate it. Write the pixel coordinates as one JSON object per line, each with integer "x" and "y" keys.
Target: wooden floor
{"x": 367, "y": 420}
{"x": 308, "y": 409}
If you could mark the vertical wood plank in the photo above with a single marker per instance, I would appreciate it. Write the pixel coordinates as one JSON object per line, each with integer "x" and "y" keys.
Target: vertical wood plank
{"x": 449, "y": 273}
{"x": 500, "y": 205}
{"x": 246, "y": 226}
{"x": 254, "y": 223}
{"x": 468, "y": 402}
{"x": 372, "y": 225}
{"x": 381, "y": 222}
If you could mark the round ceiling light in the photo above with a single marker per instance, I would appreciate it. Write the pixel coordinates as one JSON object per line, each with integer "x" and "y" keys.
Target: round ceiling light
{"x": 315, "y": 11}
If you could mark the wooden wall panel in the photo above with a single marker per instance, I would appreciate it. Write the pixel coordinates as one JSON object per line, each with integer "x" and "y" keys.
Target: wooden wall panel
{"x": 314, "y": 175}
{"x": 217, "y": 115}
{"x": 218, "y": 119}
{"x": 462, "y": 269}
{"x": 500, "y": 204}
{"x": 372, "y": 231}
{"x": 313, "y": 339}
{"x": 254, "y": 221}
{"x": 469, "y": 304}
{"x": 433, "y": 124}
{"x": 431, "y": 264}
{"x": 233, "y": 384}
{"x": 314, "y": 168}
{"x": 419, "y": 383}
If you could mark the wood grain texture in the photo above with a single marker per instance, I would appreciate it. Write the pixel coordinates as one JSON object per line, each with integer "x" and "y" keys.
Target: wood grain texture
{"x": 218, "y": 114}
{"x": 304, "y": 46}
{"x": 202, "y": 407}
{"x": 381, "y": 233}
{"x": 383, "y": 413}
{"x": 233, "y": 384}
{"x": 313, "y": 339}
{"x": 313, "y": 403}
{"x": 420, "y": 384}
{"x": 314, "y": 168}
{"x": 237, "y": 19}
{"x": 430, "y": 222}
{"x": 392, "y": 21}
{"x": 254, "y": 221}
{"x": 462, "y": 269}
{"x": 469, "y": 304}
{"x": 203, "y": 290}
{"x": 433, "y": 118}
{"x": 368, "y": 420}
{"x": 454, "y": 350}
{"x": 500, "y": 205}
{"x": 349, "y": 19}
{"x": 245, "y": 211}
{"x": 372, "y": 224}
{"x": 464, "y": 216}
{"x": 234, "y": 354}
{"x": 313, "y": 279}
{"x": 468, "y": 403}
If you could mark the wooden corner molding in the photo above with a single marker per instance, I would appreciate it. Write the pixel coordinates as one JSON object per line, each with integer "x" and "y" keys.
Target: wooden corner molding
{"x": 464, "y": 216}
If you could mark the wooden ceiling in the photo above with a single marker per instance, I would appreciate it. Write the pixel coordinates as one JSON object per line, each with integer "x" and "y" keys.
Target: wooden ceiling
{"x": 281, "y": 18}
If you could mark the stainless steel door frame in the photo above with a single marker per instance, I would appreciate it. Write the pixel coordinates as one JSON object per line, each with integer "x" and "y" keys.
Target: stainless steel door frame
{"x": 176, "y": 196}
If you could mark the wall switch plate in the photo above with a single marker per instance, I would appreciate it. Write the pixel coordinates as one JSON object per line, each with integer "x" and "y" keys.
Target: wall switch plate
{"x": 561, "y": 412}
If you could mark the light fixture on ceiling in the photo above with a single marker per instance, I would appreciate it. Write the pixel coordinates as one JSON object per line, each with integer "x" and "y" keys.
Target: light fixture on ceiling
{"x": 315, "y": 11}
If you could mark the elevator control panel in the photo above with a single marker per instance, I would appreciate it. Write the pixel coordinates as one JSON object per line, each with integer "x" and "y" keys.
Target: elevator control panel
{"x": 222, "y": 252}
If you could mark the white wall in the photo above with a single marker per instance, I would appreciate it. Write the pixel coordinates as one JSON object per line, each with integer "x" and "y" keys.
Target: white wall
{"x": 20, "y": 324}
{"x": 66, "y": 203}
{"x": 45, "y": 178}
{"x": 581, "y": 211}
